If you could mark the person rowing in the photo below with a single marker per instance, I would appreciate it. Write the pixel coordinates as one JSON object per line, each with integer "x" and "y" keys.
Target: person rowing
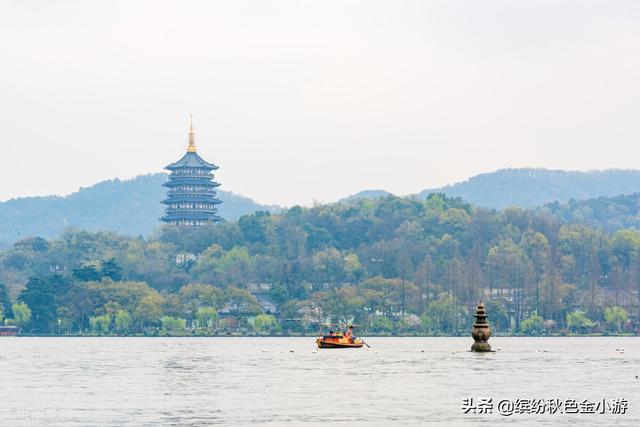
{"x": 349, "y": 334}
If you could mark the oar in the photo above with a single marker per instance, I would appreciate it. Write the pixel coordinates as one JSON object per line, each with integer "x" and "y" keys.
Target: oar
{"x": 365, "y": 343}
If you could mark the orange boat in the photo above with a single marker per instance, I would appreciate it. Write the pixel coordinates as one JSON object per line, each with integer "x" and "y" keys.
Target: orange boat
{"x": 338, "y": 340}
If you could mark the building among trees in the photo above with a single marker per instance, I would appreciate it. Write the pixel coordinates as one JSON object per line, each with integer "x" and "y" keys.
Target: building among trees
{"x": 191, "y": 199}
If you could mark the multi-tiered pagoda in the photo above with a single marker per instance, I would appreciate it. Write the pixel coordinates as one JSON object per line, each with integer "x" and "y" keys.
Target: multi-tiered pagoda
{"x": 191, "y": 199}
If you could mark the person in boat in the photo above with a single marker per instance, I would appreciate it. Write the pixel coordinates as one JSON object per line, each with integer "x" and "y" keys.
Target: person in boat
{"x": 349, "y": 334}
{"x": 332, "y": 334}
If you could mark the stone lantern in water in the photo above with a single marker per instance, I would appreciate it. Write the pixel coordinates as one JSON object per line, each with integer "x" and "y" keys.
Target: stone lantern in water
{"x": 481, "y": 330}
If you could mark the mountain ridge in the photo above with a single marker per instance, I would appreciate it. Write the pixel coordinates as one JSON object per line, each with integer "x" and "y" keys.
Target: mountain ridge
{"x": 126, "y": 206}
{"x": 535, "y": 187}
{"x": 530, "y": 187}
{"x": 133, "y": 206}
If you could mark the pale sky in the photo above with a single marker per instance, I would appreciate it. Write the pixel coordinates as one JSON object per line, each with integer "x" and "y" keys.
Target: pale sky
{"x": 303, "y": 101}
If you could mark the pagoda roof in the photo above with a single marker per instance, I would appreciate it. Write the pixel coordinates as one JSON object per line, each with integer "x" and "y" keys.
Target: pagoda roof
{"x": 191, "y": 215}
{"x": 191, "y": 160}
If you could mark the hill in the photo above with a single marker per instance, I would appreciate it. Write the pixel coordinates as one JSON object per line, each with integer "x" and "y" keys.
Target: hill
{"x": 133, "y": 206}
{"x": 365, "y": 194}
{"x": 607, "y": 213}
{"x": 130, "y": 207}
{"x": 390, "y": 264}
{"x": 531, "y": 188}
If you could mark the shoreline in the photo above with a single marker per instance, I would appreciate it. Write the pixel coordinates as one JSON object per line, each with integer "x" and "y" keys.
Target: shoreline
{"x": 315, "y": 336}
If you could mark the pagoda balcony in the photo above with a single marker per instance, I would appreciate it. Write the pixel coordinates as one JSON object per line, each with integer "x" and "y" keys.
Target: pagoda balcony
{"x": 174, "y": 216}
{"x": 191, "y": 207}
{"x": 176, "y": 174}
{"x": 203, "y": 183}
{"x": 208, "y": 191}
{"x": 192, "y": 198}
{"x": 191, "y": 214}
{"x": 191, "y": 179}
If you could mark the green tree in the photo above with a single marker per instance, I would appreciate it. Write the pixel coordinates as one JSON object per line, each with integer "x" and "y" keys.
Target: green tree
{"x": 195, "y": 296}
{"x": 173, "y": 325}
{"x": 5, "y": 301}
{"x": 382, "y": 325}
{"x": 498, "y": 315}
{"x": 21, "y": 314}
{"x": 255, "y": 227}
{"x": 446, "y": 315}
{"x": 40, "y": 296}
{"x": 110, "y": 268}
{"x": 236, "y": 267}
{"x": 577, "y": 321}
{"x": 265, "y": 323}
{"x": 148, "y": 311}
{"x": 615, "y": 317}
{"x": 385, "y": 295}
{"x": 87, "y": 273}
{"x": 100, "y": 324}
{"x": 65, "y": 319}
{"x": 122, "y": 321}
{"x": 533, "y": 325}
{"x": 206, "y": 317}
{"x": 241, "y": 303}
{"x": 342, "y": 305}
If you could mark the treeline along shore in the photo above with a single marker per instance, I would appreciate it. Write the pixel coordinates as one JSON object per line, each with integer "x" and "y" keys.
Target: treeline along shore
{"x": 390, "y": 266}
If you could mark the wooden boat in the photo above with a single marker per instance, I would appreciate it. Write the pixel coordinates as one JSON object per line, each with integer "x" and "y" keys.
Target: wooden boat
{"x": 338, "y": 341}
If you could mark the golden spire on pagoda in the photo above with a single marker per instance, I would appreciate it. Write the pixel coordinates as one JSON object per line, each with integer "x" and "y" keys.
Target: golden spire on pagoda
{"x": 192, "y": 137}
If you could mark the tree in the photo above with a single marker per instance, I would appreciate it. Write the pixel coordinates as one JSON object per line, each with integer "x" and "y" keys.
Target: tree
{"x": 446, "y": 315}
{"x": 194, "y": 296}
{"x": 122, "y": 321}
{"x": 21, "y": 314}
{"x": 206, "y": 317}
{"x": 382, "y": 324}
{"x": 65, "y": 319}
{"x": 148, "y": 311}
{"x": 110, "y": 268}
{"x": 577, "y": 321}
{"x": 537, "y": 246}
{"x": 173, "y": 325}
{"x": 236, "y": 267}
{"x": 384, "y": 295}
{"x": 100, "y": 324}
{"x": 255, "y": 227}
{"x": 533, "y": 325}
{"x": 342, "y": 305}
{"x": 498, "y": 315}
{"x": 205, "y": 268}
{"x": 39, "y": 295}
{"x": 615, "y": 317}
{"x": 265, "y": 323}
{"x": 87, "y": 273}
{"x": 241, "y": 303}
{"x": 5, "y": 301}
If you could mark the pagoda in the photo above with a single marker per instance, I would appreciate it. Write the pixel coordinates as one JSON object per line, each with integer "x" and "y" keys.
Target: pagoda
{"x": 191, "y": 199}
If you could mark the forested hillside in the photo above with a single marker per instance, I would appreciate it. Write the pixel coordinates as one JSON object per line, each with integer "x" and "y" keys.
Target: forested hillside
{"x": 529, "y": 188}
{"x": 129, "y": 207}
{"x": 390, "y": 265}
{"x": 608, "y": 213}
{"x": 133, "y": 207}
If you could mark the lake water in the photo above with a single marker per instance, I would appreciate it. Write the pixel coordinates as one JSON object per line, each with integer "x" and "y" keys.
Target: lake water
{"x": 287, "y": 382}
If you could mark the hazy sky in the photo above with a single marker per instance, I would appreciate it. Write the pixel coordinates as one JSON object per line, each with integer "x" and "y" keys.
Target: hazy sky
{"x": 299, "y": 101}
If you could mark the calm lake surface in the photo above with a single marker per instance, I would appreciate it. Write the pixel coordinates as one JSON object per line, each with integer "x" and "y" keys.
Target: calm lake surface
{"x": 287, "y": 382}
